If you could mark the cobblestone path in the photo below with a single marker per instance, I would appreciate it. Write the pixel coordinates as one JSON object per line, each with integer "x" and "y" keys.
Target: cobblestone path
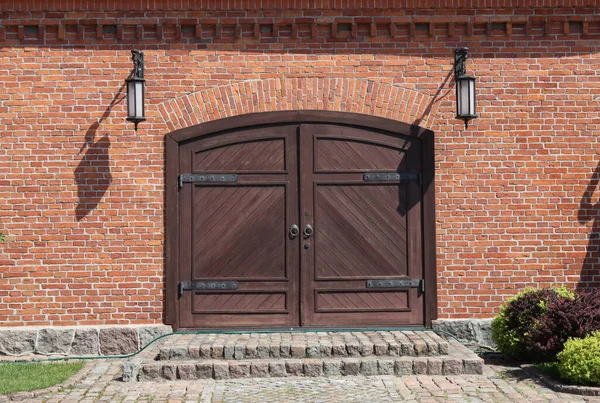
{"x": 498, "y": 384}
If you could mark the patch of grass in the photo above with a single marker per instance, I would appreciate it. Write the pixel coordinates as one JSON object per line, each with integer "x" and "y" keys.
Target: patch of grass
{"x": 23, "y": 377}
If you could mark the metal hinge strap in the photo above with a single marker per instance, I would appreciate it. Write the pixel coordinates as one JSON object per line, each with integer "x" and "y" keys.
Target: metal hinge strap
{"x": 196, "y": 178}
{"x": 206, "y": 286}
{"x": 399, "y": 283}
{"x": 392, "y": 177}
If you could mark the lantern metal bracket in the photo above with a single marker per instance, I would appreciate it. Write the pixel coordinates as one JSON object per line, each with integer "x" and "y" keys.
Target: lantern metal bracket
{"x": 460, "y": 56}
{"x": 138, "y": 63}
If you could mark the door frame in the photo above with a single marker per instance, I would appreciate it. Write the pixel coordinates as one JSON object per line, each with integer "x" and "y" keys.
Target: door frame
{"x": 175, "y": 138}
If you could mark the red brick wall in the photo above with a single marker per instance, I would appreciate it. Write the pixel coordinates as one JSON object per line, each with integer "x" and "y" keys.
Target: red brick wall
{"x": 82, "y": 194}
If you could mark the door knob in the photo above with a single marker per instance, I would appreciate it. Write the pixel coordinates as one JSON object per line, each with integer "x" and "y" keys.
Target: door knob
{"x": 294, "y": 231}
{"x": 308, "y": 230}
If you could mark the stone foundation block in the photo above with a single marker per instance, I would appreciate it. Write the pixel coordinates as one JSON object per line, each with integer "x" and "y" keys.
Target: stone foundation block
{"x": 118, "y": 341}
{"x": 17, "y": 342}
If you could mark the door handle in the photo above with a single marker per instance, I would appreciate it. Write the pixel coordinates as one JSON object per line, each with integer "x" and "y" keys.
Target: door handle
{"x": 294, "y": 231}
{"x": 308, "y": 230}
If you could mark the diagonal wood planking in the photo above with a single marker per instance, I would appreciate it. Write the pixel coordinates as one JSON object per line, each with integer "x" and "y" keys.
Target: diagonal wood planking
{"x": 265, "y": 155}
{"x": 360, "y": 232}
{"x": 241, "y": 234}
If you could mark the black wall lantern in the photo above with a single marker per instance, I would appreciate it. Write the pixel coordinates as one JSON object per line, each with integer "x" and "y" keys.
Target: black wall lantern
{"x": 135, "y": 89}
{"x": 465, "y": 87}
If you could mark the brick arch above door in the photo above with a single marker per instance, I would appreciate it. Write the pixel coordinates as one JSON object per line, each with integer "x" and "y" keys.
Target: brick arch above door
{"x": 360, "y": 96}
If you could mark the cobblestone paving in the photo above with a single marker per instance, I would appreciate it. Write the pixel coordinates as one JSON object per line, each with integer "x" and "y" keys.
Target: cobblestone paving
{"x": 498, "y": 384}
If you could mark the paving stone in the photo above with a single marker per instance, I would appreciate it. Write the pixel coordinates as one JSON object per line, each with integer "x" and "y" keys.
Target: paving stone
{"x": 187, "y": 372}
{"x": 285, "y": 350}
{"x": 434, "y": 366}
{"x": 368, "y": 367}
{"x": 221, "y": 370}
{"x": 473, "y": 366}
{"x": 294, "y": 367}
{"x": 366, "y": 349}
{"x": 263, "y": 351}
{"x": 204, "y": 370}
{"x": 339, "y": 349}
{"x": 350, "y": 366}
{"x": 150, "y": 372}
{"x": 313, "y": 368}
{"x": 239, "y": 351}
{"x": 228, "y": 351}
{"x": 194, "y": 352}
{"x": 385, "y": 367}
{"x": 403, "y": 366}
{"x": 205, "y": 351}
{"x": 353, "y": 349}
{"x": 169, "y": 372}
{"x": 179, "y": 353}
{"x": 313, "y": 351}
{"x": 216, "y": 351}
{"x": 277, "y": 369}
{"x": 332, "y": 368}
{"x": 239, "y": 369}
{"x": 452, "y": 366}
{"x": 259, "y": 369}
{"x": 298, "y": 350}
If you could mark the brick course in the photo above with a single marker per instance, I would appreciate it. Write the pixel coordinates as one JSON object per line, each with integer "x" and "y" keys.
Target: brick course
{"x": 83, "y": 194}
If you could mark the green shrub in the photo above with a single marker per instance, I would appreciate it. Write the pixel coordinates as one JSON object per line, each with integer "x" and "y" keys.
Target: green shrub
{"x": 579, "y": 362}
{"x": 519, "y": 315}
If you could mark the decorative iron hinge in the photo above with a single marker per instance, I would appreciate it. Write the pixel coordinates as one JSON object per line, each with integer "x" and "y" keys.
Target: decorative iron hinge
{"x": 206, "y": 286}
{"x": 399, "y": 283}
{"x": 392, "y": 176}
{"x": 196, "y": 178}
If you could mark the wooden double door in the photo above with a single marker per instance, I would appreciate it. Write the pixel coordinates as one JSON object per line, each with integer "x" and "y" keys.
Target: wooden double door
{"x": 299, "y": 224}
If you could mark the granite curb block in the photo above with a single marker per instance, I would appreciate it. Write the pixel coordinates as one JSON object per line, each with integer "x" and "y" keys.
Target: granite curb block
{"x": 72, "y": 381}
{"x": 558, "y": 386}
{"x": 475, "y": 334}
{"x": 77, "y": 341}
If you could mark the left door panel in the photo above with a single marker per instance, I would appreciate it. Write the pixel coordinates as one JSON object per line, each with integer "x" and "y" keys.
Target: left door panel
{"x": 239, "y": 231}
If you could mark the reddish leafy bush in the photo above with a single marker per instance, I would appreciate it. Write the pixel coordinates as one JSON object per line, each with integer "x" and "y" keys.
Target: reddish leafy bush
{"x": 518, "y": 316}
{"x": 563, "y": 318}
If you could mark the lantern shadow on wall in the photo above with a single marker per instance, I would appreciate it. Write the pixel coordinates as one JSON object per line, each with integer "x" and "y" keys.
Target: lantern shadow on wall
{"x": 590, "y": 212}
{"x": 92, "y": 175}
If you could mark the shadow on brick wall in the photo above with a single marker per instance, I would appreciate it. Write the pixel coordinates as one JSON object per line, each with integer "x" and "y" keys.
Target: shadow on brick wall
{"x": 92, "y": 175}
{"x": 590, "y": 212}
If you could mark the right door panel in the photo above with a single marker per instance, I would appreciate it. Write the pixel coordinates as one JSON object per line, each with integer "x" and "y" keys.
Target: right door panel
{"x": 362, "y": 229}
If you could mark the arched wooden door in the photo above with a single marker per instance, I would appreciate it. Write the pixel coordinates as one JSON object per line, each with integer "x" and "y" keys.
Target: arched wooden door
{"x": 289, "y": 219}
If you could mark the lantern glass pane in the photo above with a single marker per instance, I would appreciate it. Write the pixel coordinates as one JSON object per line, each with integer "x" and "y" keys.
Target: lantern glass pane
{"x": 139, "y": 99}
{"x": 472, "y": 97}
{"x": 464, "y": 98}
{"x": 130, "y": 99}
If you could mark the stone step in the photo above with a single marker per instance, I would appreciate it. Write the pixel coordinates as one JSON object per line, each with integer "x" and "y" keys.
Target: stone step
{"x": 148, "y": 366}
{"x": 303, "y": 345}
{"x": 455, "y": 364}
